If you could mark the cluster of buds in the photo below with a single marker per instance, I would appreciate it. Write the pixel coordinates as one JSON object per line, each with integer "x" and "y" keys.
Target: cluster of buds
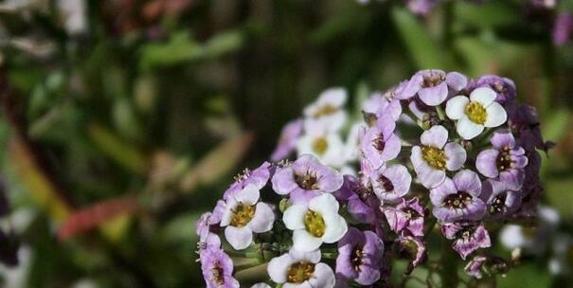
{"x": 438, "y": 153}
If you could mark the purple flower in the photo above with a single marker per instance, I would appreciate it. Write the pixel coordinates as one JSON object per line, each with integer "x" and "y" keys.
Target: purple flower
{"x": 474, "y": 267}
{"x": 524, "y": 124}
{"x": 306, "y": 178}
{"x": 379, "y": 144}
{"x": 434, "y": 157}
{"x": 413, "y": 249}
{"x": 407, "y": 217}
{"x": 504, "y": 87}
{"x": 433, "y": 86}
{"x": 362, "y": 203}
{"x": 468, "y": 237}
{"x": 458, "y": 199}
{"x": 301, "y": 270}
{"x": 421, "y": 7}
{"x": 390, "y": 182}
{"x": 258, "y": 178}
{"x": 379, "y": 104}
{"x": 217, "y": 268}
{"x": 505, "y": 160}
{"x": 287, "y": 141}
{"x": 501, "y": 198}
{"x": 563, "y": 28}
{"x": 360, "y": 256}
{"x": 203, "y": 230}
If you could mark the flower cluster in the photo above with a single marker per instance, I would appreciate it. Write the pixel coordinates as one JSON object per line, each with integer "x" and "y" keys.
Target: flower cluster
{"x": 438, "y": 153}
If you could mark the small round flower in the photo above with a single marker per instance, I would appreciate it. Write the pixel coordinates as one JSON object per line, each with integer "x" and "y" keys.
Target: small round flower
{"x": 433, "y": 86}
{"x": 407, "y": 217}
{"x": 505, "y": 160}
{"x": 258, "y": 178}
{"x": 360, "y": 256}
{"x": 298, "y": 269}
{"x": 327, "y": 147}
{"x": 434, "y": 157}
{"x": 390, "y": 182}
{"x": 475, "y": 113}
{"x": 327, "y": 113}
{"x": 500, "y": 198}
{"x": 217, "y": 268}
{"x": 468, "y": 237}
{"x": 287, "y": 140}
{"x": 379, "y": 144}
{"x": 458, "y": 199}
{"x": 306, "y": 178}
{"x": 243, "y": 215}
{"x": 315, "y": 223}
{"x": 379, "y": 104}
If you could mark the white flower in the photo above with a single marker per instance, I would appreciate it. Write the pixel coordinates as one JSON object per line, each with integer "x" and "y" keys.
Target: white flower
{"x": 243, "y": 216}
{"x": 326, "y": 112}
{"x": 327, "y": 147}
{"x": 301, "y": 269}
{"x": 476, "y": 112}
{"x": 315, "y": 223}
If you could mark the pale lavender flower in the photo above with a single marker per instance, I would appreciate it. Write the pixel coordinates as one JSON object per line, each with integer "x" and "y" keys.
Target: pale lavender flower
{"x": 474, "y": 267}
{"x": 563, "y": 28}
{"x": 458, "y": 199}
{"x": 501, "y": 198}
{"x": 390, "y": 182}
{"x": 217, "y": 268}
{"x": 287, "y": 140}
{"x": 301, "y": 270}
{"x": 413, "y": 249}
{"x": 360, "y": 256}
{"x": 504, "y": 87}
{"x": 328, "y": 147}
{"x": 258, "y": 178}
{"x": 433, "y": 86}
{"x": 245, "y": 215}
{"x": 361, "y": 201}
{"x": 379, "y": 143}
{"x": 305, "y": 178}
{"x": 434, "y": 157}
{"x": 505, "y": 160}
{"x": 407, "y": 217}
{"x": 468, "y": 237}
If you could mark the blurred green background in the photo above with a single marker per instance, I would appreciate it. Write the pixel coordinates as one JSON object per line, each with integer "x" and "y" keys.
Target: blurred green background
{"x": 123, "y": 120}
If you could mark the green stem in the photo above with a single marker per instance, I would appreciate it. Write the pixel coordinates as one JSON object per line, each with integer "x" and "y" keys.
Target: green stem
{"x": 253, "y": 274}
{"x": 449, "y": 270}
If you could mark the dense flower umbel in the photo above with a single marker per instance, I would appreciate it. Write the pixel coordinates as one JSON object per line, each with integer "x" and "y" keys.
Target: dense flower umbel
{"x": 438, "y": 150}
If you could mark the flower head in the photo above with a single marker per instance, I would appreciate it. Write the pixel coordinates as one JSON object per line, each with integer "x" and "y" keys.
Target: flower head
{"x": 501, "y": 198}
{"x": 468, "y": 237}
{"x": 258, "y": 178}
{"x": 475, "y": 113}
{"x": 327, "y": 147}
{"x": 458, "y": 199}
{"x": 390, "y": 182}
{"x": 217, "y": 268}
{"x": 360, "y": 256}
{"x": 243, "y": 215}
{"x": 361, "y": 201}
{"x": 298, "y": 269}
{"x": 287, "y": 140}
{"x": 326, "y": 112}
{"x": 505, "y": 160}
{"x": 407, "y": 217}
{"x": 382, "y": 103}
{"x": 435, "y": 156}
{"x": 306, "y": 178}
{"x": 433, "y": 86}
{"x": 379, "y": 143}
{"x": 315, "y": 222}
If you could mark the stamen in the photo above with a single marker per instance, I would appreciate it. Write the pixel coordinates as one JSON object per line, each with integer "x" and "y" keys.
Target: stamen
{"x": 476, "y": 112}
{"x": 320, "y": 145}
{"x": 242, "y": 215}
{"x": 300, "y": 272}
{"x": 314, "y": 223}
{"x": 435, "y": 157}
{"x": 459, "y": 200}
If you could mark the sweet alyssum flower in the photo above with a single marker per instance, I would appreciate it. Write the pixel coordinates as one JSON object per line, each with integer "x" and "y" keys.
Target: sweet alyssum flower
{"x": 361, "y": 200}
{"x": 406, "y": 218}
{"x": 287, "y": 140}
{"x": 315, "y": 222}
{"x": 327, "y": 112}
{"x": 458, "y": 199}
{"x": 475, "y": 113}
{"x": 474, "y": 267}
{"x": 300, "y": 270}
{"x": 468, "y": 237}
{"x": 217, "y": 268}
{"x": 501, "y": 198}
{"x": 257, "y": 178}
{"x": 505, "y": 160}
{"x": 412, "y": 248}
{"x": 305, "y": 178}
{"x": 433, "y": 86}
{"x": 326, "y": 146}
{"x": 360, "y": 256}
{"x": 379, "y": 104}
{"x": 245, "y": 215}
{"x": 390, "y": 182}
{"x": 379, "y": 143}
{"x": 435, "y": 156}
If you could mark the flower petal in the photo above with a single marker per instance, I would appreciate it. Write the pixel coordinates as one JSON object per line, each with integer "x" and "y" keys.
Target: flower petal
{"x": 324, "y": 204}
{"x": 263, "y": 219}
{"x": 486, "y": 163}
{"x": 468, "y": 181}
{"x": 304, "y": 242}
{"x": 455, "y": 107}
{"x": 239, "y": 238}
{"x": 293, "y": 217}
{"x": 278, "y": 268}
{"x": 323, "y": 276}
{"x": 283, "y": 181}
{"x": 249, "y": 195}
{"x": 496, "y": 115}
{"x": 468, "y": 129}
{"x": 435, "y": 136}
{"x": 434, "y": 96}
{"x": 457, "y": 81}
{"x": 483, "y": 95}
{"x": 456, "y": 155}
{"x": 335, "y": 229}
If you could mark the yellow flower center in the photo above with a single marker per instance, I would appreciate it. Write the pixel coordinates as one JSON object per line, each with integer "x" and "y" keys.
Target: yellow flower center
{"x": 476, "y": 112}
{"x": 325, "y": 111}
{"x": 242, "y": 215}
{"x": 300, "y": 272}
{"x": 435, "y": 157}
{"x": 314, "y": 223}
{"x": 319, "y": 145}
